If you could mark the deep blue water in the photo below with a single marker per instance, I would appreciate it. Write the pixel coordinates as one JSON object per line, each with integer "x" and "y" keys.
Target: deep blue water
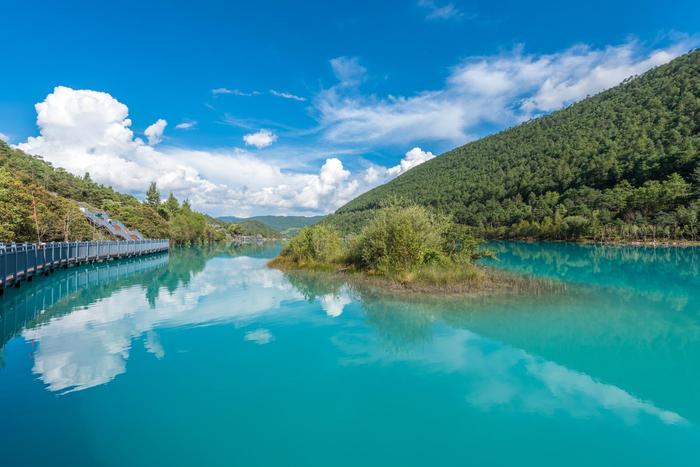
{"x": 207, "y": 357}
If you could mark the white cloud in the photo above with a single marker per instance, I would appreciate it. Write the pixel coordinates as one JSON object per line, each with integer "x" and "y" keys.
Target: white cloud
{"x": 412, "y": 158}
{"x": 4, "y": 137}
{"x": 480, "y": 92}
{"x": 260, "y": 139}
{"x": 89, "y": 131}
{"x": 436, "y": 11}
{"x": 186, "y": 125}
{"x": 154, "y": 132}
{"x": 235, "y": 92}
{"x": 348, "y": 70}
{"x": 85, "y": 130}
{"x": 287, "y": 95}
{"x": 217, "y": 91}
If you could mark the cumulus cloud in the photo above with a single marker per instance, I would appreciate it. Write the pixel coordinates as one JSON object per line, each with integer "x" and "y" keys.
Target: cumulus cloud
{"x": 84, "y": 130}
{"x": 154, "y": 132}
{"x": 287, "y": 95}
{"x": 481, "y": 92}
{"x": 412, "y": 158}
{"x": 4, "y": 137}
{"x": 186, "y": 125}
{"x": 260, "y": 139}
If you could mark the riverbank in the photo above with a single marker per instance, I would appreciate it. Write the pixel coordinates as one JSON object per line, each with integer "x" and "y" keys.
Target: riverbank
{"x": 587, "y": 241}
{"x": 467, "y": 281}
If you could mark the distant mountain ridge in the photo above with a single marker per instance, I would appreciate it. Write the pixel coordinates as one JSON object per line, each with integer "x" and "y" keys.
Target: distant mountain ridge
{"x": 622, "y": 164}
{"x": 278, "y": 223}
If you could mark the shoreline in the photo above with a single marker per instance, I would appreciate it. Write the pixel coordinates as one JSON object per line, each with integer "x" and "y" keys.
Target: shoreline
{"x": 640, "y": 243}
{"x": 488, "y": 282}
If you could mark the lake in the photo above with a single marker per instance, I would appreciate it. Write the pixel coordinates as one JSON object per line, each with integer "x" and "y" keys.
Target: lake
{"x": 207, "y": 357}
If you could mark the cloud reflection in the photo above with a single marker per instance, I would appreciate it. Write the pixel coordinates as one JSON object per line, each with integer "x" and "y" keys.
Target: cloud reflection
{"x": 499, "y": 377}
{"x": 90, "y": 346}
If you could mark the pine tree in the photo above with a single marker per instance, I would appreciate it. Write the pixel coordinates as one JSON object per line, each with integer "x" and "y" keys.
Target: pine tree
{"x": 153, "y": 195}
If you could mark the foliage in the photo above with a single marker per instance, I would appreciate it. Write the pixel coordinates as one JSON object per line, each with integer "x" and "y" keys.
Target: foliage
{"x": 152, "y": 195}
{"x": 278, "y": 223}
{"x": 57, "y": 194}
{"x": 399, "y": 239}
{"x": 314, "y": 244}
{"x": 58, "y": 219}
{"x": 405, "y": 243}
{"x": 247, "y": 227}
{"x": 624, "y": 164}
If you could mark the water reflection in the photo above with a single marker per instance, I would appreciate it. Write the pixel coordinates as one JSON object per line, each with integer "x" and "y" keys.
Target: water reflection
{"x": 588, "y": 352}
{"x": 545, "y": 352}
{"x": 90, "y": 345}
{"x": 667, "y": 274}
{"x": 500, "y": 377}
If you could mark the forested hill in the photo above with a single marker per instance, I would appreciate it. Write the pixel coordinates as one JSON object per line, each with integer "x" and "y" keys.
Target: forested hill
{"x": 623, "y": 163}
{"x": 26, "y": 179}
{"x": 281, "y": 224}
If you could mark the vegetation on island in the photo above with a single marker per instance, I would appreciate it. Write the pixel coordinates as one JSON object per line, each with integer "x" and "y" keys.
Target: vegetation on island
{"x": 621, "y": 165}
{"x": 405, "y": 247}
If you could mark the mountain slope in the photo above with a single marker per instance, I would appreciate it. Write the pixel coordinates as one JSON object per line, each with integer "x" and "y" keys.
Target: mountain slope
{"x": 25, "y": 179}
{"x": 624, "y": 162}
{"x": 254, "y": 227}
{"x": 278, "y": 223}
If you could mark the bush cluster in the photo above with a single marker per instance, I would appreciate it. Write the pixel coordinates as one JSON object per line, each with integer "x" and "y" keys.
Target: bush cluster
{"x": 398, "y": 240}
{"x": 315, "y": 244}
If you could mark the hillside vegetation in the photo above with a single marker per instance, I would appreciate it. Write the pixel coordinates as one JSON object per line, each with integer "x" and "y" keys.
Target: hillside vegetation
{"x": 249, "y": 227}
{"x": 26, "y": 179}
{"x": 624, "y": 164}
{"x": 285, "y": 225}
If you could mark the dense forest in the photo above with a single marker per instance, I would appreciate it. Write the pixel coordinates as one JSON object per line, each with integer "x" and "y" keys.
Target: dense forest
{"x": 621, "y": 165}
{"x": 29, "y": 181}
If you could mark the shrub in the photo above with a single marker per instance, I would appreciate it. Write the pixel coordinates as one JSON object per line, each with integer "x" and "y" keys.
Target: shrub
{"x": 314, "y": 244}
{"x": 398, "y": 240}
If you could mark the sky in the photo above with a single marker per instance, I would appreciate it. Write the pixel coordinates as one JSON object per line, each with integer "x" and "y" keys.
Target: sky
{"x": 274, "y": 107}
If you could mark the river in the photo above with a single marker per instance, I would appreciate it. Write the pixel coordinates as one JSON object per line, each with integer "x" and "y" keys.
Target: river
{"x": 207, "y": 357}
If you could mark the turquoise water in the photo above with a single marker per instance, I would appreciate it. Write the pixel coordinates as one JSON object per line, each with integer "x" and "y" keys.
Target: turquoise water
{"x": 207, "y": 357}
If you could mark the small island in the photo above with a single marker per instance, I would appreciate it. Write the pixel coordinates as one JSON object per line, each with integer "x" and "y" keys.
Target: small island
{"x": 401, "y": 249}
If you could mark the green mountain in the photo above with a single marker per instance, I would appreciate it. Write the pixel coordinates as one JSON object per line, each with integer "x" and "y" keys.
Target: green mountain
{"x": 622, "y": 164}
{"x": 283, "y": 224}
{"x": 254, "y": 227}
{"x": 26, "y": 180}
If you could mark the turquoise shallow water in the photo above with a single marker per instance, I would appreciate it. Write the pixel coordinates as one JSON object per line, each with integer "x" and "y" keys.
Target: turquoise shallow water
{"x": 208, "y": 357}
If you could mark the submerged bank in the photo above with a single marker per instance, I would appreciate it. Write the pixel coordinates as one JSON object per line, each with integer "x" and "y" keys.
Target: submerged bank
{"x": 470, "y": 281}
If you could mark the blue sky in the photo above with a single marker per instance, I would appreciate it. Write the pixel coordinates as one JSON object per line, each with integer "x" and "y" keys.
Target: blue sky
{"x": 296, "y": 107}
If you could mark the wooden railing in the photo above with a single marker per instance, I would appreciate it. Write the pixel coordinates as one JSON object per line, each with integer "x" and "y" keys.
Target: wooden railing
{"x": 23, "y": 261}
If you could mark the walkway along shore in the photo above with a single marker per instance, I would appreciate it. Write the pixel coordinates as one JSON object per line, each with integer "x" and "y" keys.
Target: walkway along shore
{"x": 21, "y": 262}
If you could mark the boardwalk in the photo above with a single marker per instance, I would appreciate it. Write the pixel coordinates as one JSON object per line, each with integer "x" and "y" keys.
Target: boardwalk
{"x": 21, "y": 262}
